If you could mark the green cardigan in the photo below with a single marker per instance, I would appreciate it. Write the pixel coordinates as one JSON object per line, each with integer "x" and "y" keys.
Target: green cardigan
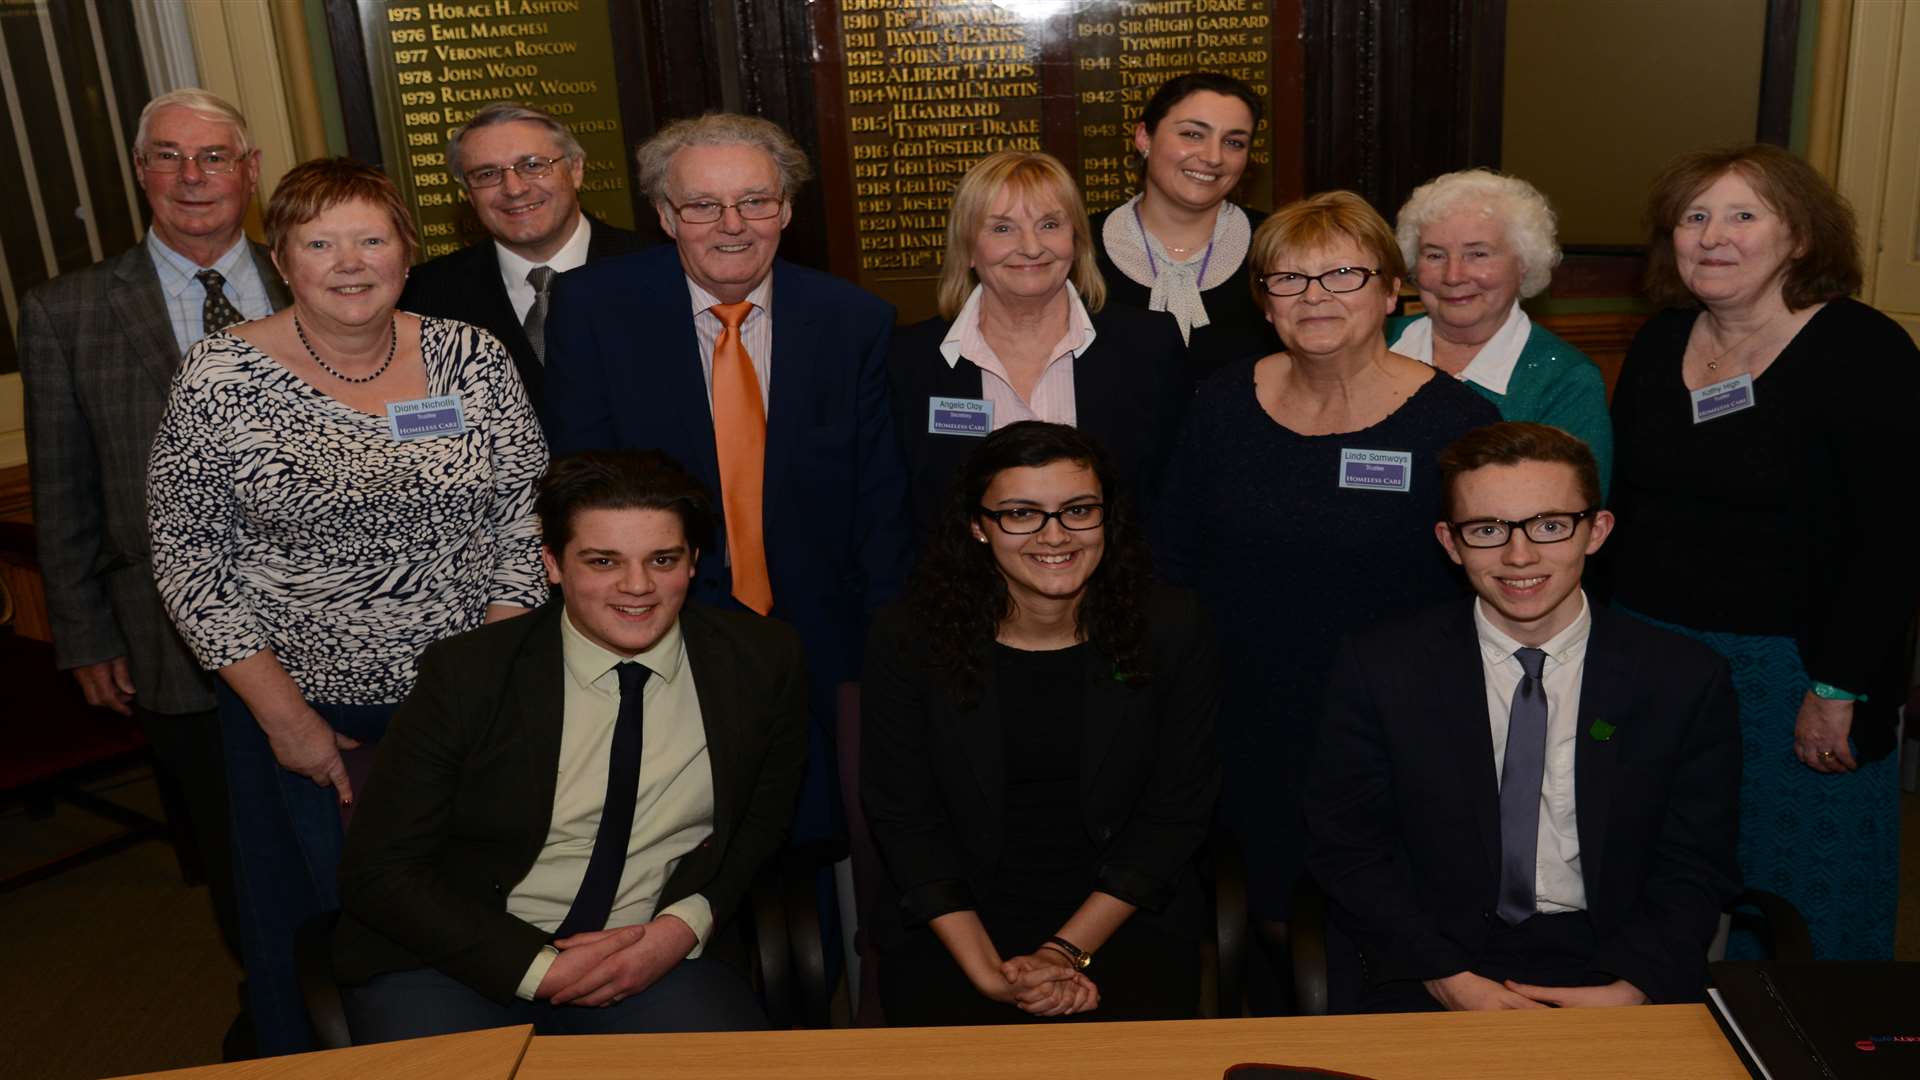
{"x": 1554, "y": 383}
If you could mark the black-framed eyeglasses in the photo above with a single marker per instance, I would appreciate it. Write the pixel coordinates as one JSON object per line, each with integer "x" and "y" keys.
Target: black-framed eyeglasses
{"x": 211, "y": 162}
{"x": 531, "y": 167}
{"x": 1023, "y": 520}
{"x": 1340, "y": 279}
{"x": 708, "y": 211}
{"x": 1549, "y": 528}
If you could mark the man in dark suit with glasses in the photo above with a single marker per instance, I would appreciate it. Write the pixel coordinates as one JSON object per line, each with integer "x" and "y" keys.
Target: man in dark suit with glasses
{"x": 522, "y": 170}
{"x": 1523, "y": 800}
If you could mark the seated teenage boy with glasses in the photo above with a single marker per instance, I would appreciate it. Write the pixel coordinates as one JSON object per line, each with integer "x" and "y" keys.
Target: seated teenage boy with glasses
{"x": 1522, "y": 800}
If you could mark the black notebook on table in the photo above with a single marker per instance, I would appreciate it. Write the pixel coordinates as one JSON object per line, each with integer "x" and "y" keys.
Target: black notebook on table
{"x": 1825, "y": 1020}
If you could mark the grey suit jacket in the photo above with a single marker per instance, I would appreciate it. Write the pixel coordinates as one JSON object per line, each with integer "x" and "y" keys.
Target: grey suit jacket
{"x": 96, "y": 355}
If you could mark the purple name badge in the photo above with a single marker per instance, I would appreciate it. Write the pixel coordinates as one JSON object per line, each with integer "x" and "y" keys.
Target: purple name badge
{"x": 425, "y": 418}
{"x": 1732, "y": 396}
{"x": 1376, "y": 470}
{"x": 959, "y": 416}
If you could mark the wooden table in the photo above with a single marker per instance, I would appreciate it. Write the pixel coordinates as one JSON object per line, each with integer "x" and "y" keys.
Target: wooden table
{"x": 476, "y": 1055}
{"x": 1680, "y": 1042}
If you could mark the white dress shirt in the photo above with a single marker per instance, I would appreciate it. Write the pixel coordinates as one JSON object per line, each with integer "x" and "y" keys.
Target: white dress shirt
{"x": 1491, "y": 367}
{"x": 1052, "y": 399}
{"x": 514, "y": 268}
{"x": 672, "y": 811}
{"x": 1557, "y": 884}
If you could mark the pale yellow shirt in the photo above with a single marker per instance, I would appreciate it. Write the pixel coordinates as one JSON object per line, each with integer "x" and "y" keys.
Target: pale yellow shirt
{"x": 1557, "y": 884}
{"x": 1052, "y": 399}
{"x": 673, "y": 809}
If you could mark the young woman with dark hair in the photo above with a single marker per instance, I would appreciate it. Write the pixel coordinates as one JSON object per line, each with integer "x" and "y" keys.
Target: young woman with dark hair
{"x": 1037, "y": 764}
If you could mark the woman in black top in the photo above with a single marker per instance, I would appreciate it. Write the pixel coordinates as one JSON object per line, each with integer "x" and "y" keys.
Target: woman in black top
{"x": 1037, "y": 759}
{"x": 1180, "y": 246}
{"x": 1764, "y": 491}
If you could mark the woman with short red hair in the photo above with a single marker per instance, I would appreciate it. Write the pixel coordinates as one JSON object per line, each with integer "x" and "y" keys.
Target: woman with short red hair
{"x": 332, "y": 489}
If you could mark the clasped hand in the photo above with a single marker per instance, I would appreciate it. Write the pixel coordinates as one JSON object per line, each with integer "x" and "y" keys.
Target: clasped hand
{"x": 604, "y": 967}
{"x": 1044, "y": 983}
{"x": 1467, "y": 991}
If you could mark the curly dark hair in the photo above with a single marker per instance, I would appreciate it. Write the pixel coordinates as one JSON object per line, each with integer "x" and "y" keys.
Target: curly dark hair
{"x": 960, "y": 597}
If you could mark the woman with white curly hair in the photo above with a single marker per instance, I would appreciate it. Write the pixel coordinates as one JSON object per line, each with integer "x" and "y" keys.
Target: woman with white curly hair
{"x": 1478, "y": 243}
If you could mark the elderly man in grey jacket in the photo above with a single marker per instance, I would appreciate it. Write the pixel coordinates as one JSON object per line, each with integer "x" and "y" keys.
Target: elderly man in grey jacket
{"x": 98, "y": 347}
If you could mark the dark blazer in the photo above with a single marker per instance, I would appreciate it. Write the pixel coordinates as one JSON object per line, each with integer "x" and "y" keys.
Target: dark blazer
{"x": 624, "y": 370}
{"x": 1404, "y": 806}
{"x": 466, "y": 285}
{"x": 1237, "y": 325}
{"x": 97, "y": 354}
{"x": 932, "y": 771}
{"x": 1130, "y": 392}
{"x": 461, "y": 796}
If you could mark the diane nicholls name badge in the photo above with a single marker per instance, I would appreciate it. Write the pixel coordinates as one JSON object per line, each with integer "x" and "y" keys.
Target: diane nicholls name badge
{"x": 1376, "y": 470}
{"x": 959, "y": 416}
{"x": 426, "y": 418}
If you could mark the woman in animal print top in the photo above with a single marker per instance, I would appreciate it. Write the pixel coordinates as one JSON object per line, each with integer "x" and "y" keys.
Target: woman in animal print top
{"x": 332, "y": 489}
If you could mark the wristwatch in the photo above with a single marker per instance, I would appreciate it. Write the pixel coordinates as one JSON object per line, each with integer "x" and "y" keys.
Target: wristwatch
{"x": 1081, "y": 958}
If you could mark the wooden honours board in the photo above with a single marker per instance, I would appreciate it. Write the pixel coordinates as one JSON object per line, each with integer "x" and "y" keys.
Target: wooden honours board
{"x": 913, "y": 92}
{"x": 433, "y": 64}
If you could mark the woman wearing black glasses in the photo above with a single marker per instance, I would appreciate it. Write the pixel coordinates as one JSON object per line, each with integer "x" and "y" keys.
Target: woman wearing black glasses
{"x": 1037, "y": 759}
{"x": 1306, "y": 492}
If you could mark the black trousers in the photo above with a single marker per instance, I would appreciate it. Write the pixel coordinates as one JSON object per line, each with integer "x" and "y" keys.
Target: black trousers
{"x": 192, "y": 775}
{"x": 1546, "y": 950}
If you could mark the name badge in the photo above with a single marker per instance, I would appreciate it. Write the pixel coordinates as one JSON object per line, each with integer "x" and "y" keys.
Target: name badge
{"x": 426, "y": 418}
{"x": 959, "y": 416}
{"x": 1732, "y": 396}
{"x": 1376, "y": 470}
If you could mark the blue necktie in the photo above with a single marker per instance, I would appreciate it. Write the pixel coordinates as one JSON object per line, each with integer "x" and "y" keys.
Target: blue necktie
{"x": 594, "y": 902}
{"x": 1520, "y": 777}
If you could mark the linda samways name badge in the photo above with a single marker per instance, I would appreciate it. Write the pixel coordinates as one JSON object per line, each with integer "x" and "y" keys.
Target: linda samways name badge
{"x": 1376, "y": 470}
{"x": 959, "y": 416}
{"x": 426, "y": 418}
{"x": 1732, "y": 396}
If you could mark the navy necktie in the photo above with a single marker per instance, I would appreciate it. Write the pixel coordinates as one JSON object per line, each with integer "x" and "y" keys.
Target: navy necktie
{"x": 217, "y": 313}
{"x": 594, "y": 902}
{"x": 1520, "y": 777}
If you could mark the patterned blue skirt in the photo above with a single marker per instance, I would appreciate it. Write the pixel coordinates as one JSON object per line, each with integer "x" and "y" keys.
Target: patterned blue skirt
{"x": 1828, "y": 842}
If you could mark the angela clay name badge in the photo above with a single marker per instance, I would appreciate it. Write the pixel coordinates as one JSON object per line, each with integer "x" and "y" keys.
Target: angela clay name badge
{"x": 1732, "y": 396}
{"x": 426, "y": 418}
{"x": 1376, "y": 470}
{"x": 959, "y": 416}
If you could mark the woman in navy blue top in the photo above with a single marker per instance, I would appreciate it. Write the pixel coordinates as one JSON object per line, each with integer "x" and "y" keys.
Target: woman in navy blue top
{"x": 1301, "y": 503}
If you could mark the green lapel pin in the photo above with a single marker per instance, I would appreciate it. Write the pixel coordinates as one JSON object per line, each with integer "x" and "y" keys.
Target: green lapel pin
{"x": 1601, "y": 731}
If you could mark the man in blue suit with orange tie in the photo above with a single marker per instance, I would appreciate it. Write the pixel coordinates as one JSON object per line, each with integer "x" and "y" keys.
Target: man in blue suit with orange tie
{"x": 767, "y": 380}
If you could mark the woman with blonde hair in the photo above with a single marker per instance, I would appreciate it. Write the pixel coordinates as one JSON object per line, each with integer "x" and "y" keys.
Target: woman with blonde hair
{"x": 1024, "y": 333}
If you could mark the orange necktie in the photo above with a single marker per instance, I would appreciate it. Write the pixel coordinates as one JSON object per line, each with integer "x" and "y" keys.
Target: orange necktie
{"x": 740, "y": 438}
